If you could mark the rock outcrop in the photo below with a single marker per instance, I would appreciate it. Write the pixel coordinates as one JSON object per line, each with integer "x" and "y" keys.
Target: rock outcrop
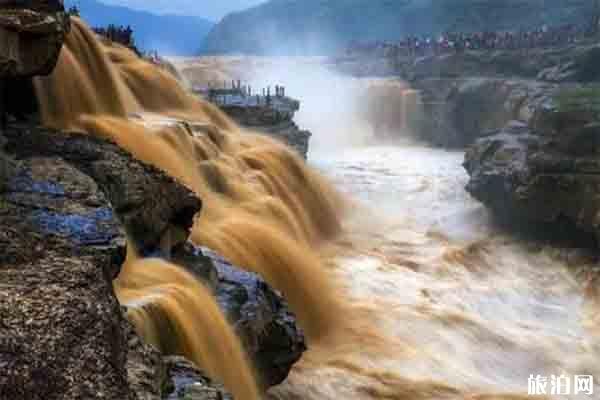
{"x": 466, "y": 94}
{"x": 272, "y": 116}
{"x": 67, "y": 204}
{"x": 547, "y": 171}
{"x": 148, "y": 203}
{"x": 186, "y": 382}
{"x": 572, "y": 63}
{"x": 567, "y": 63}
{"x": 454, "y": 113}
{"x": 61, "y": 328}
{"x": 31, "y": 36}
{"x": 260, "y": 315}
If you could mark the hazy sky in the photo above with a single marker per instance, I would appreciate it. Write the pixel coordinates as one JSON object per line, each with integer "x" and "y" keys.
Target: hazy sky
{"x": 210, "y": 9}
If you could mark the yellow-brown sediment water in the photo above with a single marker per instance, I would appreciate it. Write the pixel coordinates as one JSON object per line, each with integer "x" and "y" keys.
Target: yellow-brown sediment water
{"x": 163, "y": 301}
{"x": 438, "y": 303}
{"x": 442, "y": 303}
{"x": 262, "y": 207}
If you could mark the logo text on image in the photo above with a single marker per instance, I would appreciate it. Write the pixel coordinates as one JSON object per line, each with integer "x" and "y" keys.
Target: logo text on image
{"x": 539, "y": 385}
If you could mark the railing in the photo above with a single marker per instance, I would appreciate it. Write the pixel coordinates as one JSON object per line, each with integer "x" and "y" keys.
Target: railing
{"x": 238, "y": 94}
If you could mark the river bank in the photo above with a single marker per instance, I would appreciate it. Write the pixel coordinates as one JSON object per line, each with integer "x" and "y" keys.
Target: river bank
{"x": 529, "y": 119}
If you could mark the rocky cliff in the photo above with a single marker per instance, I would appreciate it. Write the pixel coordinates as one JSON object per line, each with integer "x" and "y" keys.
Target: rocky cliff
{"x": 275, "y": 120}
{"x": 68, "y": 203}
{"x": 529, "y": 119}
{"x": 530, "y": 122}
{"x": 31, "y": 37}
{"x": 267, "y": 115}
{"x": 69, "y": 206}
{"x": 463, "y": 95}
{"x": 546, "y": 171}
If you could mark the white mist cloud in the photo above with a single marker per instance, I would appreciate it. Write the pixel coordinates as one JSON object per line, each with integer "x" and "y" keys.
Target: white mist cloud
{"x": 331, "y": 107}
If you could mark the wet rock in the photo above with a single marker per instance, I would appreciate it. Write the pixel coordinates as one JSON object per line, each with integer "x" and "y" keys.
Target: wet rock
{"x": 290, "y": 134}
{"x": 146, "y": 368}
{"x": 65, "y": 210}
{"x": 149, "y": 204}
{"x": 6, "y": 167}
{"x": 466, "y": 95}
{"x": 62, "y": 331}
{"x": 547, "y": 172}
{"x": 60, "y": 324}
{"x": 275, "y": 118}
{"x": 259, "y": 314}
{"x": 458, "y": 112}
{"x": 188, "y": 383}
{"x": 31, "y": 34}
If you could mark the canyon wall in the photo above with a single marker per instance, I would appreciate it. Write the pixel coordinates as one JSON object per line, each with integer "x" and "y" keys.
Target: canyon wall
{"x": 73, "y": 210}
{"x": 529, "y": 119}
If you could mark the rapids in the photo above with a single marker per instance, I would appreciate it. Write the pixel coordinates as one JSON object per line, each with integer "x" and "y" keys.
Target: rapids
{"x": 263, "y": 209}
{"x": 445, "y": 305}
{"x": 407, "y": 292}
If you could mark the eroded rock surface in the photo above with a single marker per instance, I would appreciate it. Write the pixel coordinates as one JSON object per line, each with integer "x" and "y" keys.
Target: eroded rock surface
{"x": 147, "y": 201}
{"x": 61, "y": 333}
{"x": 458, "y": 112}
{"x": 273, "y": 117}
{"x": 547, "y": 171}
{"x": 186, "y": 382}
{"x": 259, "y": 314}
{"x": 65, "y": 208}
{"x": 31, "y": 36}
{"x": 465, "y": 95}
{"x": 278, "y": 124}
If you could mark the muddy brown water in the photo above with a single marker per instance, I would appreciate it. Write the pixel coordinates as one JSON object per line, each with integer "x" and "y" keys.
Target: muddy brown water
{"x": 403, "y": 284}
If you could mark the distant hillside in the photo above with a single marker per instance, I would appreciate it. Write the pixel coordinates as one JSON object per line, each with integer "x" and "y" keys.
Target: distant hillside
{"x": 169, "y": 34}
{"x": 323, "y": 26}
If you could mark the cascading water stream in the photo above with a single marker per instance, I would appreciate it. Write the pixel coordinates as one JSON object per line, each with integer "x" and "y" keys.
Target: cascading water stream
{"x": 440, "y": 302}
{"x": 178, "y": 315}
{"x": 437, "y": 303}
{"x": 263, "y": 208}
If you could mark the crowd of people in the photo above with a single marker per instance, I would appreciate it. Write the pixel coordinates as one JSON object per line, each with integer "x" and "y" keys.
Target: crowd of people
{"x": 118, "y": 34}
{"x": 455, "y": 42}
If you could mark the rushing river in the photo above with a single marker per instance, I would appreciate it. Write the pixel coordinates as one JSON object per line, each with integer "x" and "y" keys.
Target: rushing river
{"x": 421, "y": 296}
{"x": 443, "y": 304}
{"x": 440, "y": 302}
